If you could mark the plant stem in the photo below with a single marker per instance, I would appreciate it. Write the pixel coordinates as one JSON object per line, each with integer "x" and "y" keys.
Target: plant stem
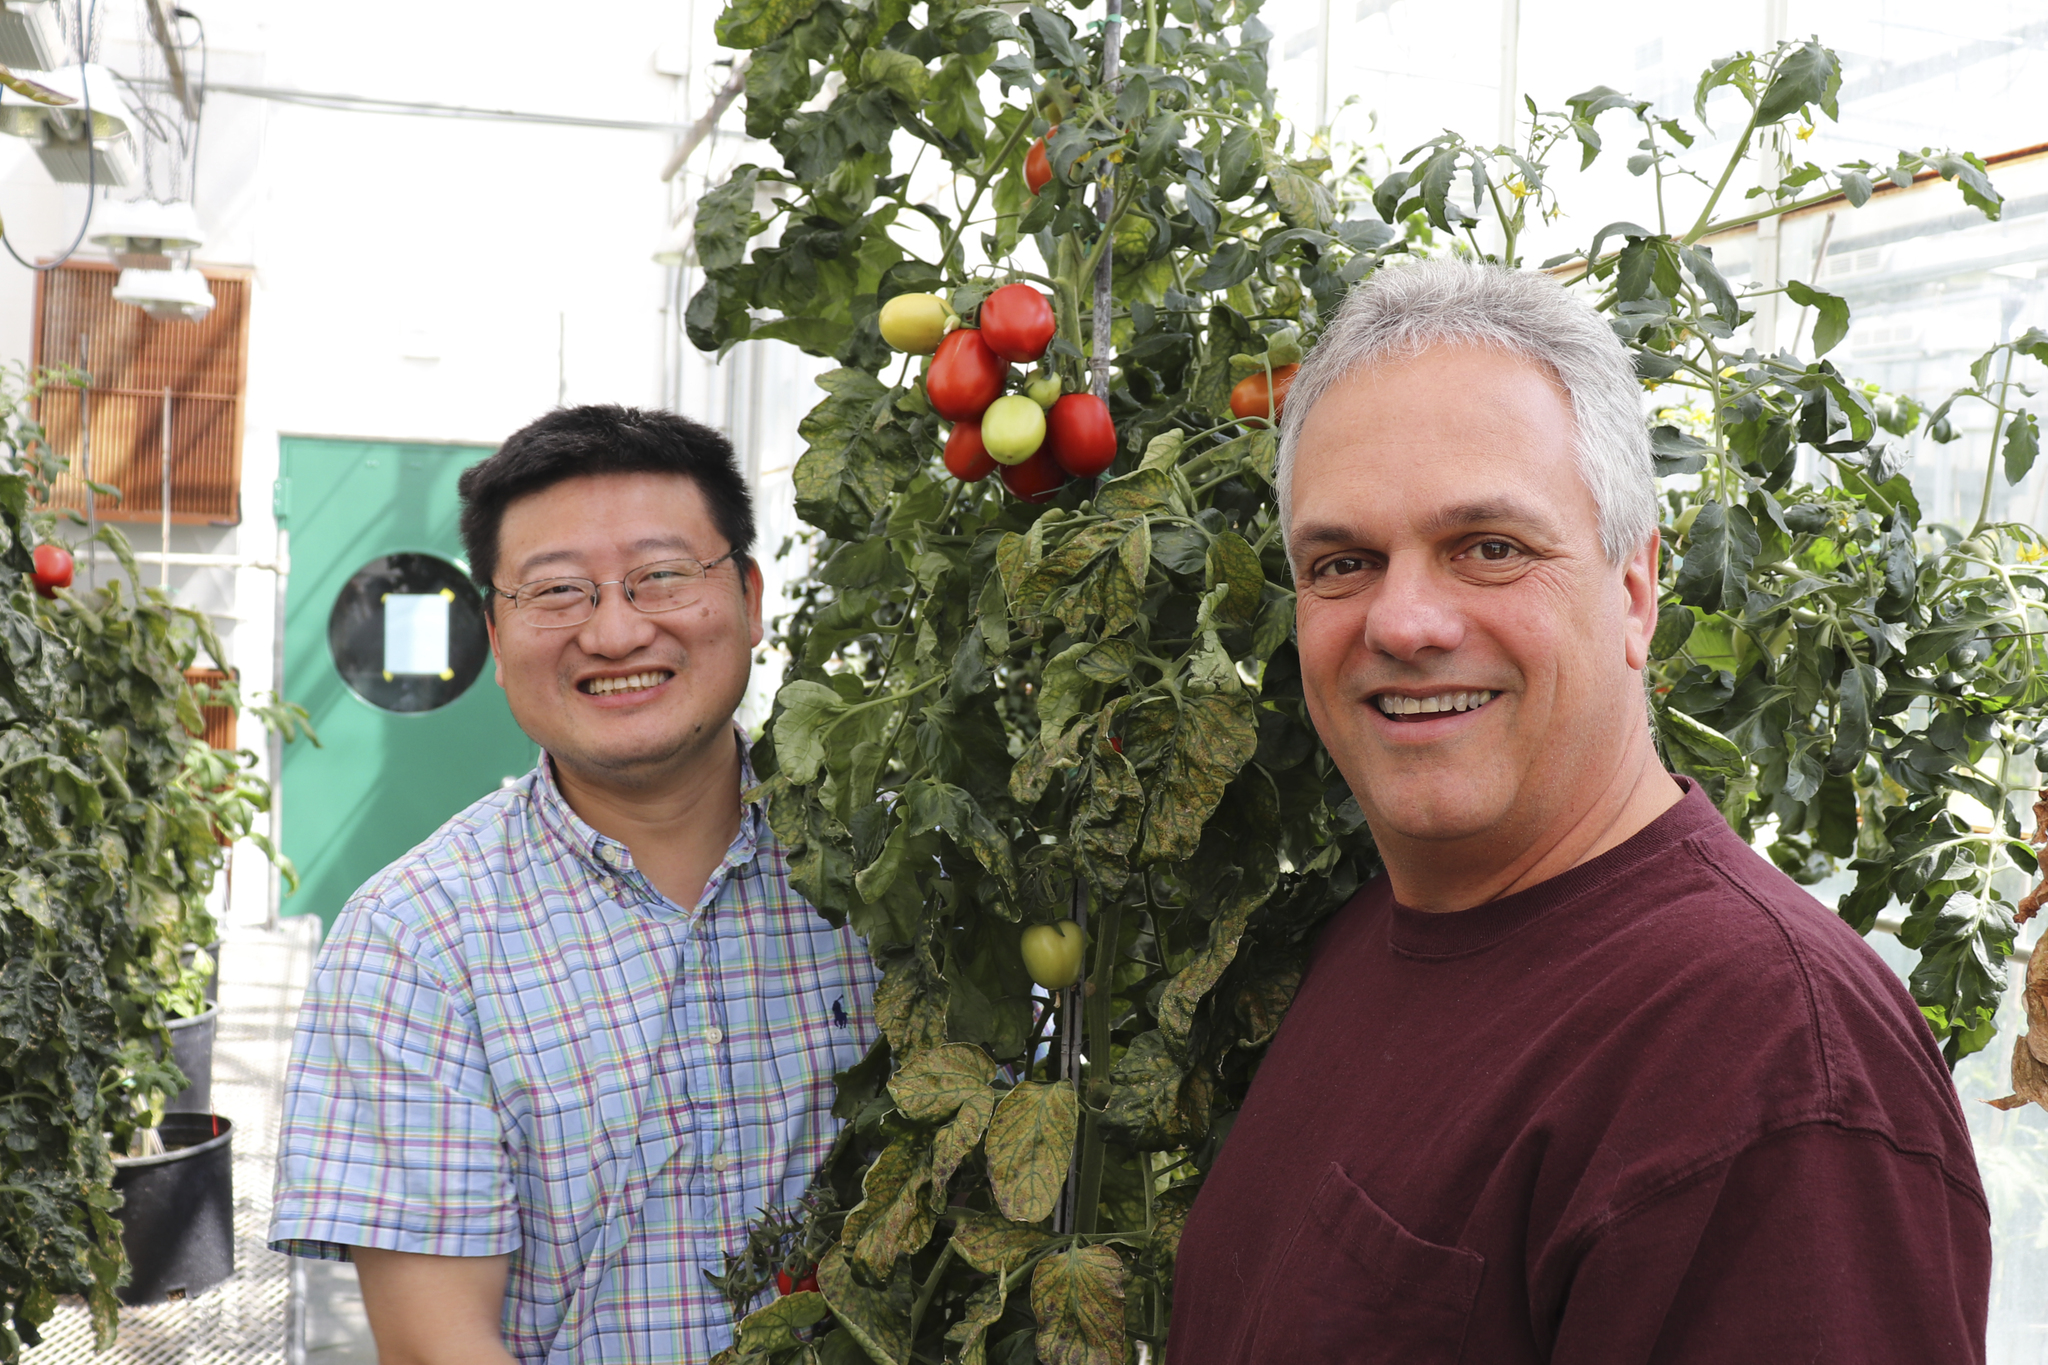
{"x": 1991, "y": 461}
{"x": 1101, "y": 991}
{"x": 981, "y": 183}
{"x": 931, "y": 1287}
{"x": 1699, "y": 229}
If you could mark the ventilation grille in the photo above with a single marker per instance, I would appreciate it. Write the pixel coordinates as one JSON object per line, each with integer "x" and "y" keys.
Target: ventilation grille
{"x": 131, "y": 358}
{"x": 220, "y": 720}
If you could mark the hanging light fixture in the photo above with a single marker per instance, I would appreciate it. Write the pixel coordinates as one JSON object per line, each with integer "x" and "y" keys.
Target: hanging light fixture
{"x": 167, "y": 295}
{"x": 76, "y": 147}
{"x": 30, "y": 39}
{"x": 144, "y": 233}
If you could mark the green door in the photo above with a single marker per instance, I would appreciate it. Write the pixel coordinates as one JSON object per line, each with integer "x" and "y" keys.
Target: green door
{"x": 384, "y": 646}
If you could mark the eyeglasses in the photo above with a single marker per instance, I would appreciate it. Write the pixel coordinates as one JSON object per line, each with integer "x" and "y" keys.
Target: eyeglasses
{"x": 554, "y": 603}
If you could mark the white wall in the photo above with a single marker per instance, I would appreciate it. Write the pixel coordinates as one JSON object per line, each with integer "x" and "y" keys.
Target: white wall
{"x": 421, "y": 278}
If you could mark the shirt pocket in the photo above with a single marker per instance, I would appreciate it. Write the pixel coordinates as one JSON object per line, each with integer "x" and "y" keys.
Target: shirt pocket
{"x": 1355, "y": 1286}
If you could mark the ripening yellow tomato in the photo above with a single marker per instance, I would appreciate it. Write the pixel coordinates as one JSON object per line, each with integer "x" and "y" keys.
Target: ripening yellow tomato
{"x": 915, "y": 323}
{"x": 1013, "y": 429}
{"x": 1052, "y": 953}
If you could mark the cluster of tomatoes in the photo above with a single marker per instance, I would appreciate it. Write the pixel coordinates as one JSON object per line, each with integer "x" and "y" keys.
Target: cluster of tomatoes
{"x": 1038, "y": 437}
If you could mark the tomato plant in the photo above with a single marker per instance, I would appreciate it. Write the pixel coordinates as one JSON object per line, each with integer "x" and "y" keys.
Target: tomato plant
{"x": 117, "y": 811}
{"x": 1083, "y": 703}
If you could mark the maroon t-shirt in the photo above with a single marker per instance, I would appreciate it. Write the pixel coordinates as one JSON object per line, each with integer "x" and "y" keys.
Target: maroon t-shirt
{"x": 1664, "y": 1107}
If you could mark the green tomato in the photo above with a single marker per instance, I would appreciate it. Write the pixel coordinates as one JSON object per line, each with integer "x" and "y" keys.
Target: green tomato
{"x": 1013, "y": 429}
{"x": 1686, "y": 519}
{"x": 1044, "y": 390}
{"x": 1052, "y": 953}
{"x": 915, "y": 323}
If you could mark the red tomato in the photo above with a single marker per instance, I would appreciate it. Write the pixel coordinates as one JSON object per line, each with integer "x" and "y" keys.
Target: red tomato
{"x": 1248, "y": 399}
{"x": 967, "y": 459}
{"x": 1038, "y": 165}
{"x": 788, "y": 1284}
{"x": 1037, "y": 479}
{"x": 1017, "y": 323}
{"x": 965, "y": 377}
{"x": 1116, "y": 743}
{"x": 53, "y": 569}
{"x": 1080, "y": 435}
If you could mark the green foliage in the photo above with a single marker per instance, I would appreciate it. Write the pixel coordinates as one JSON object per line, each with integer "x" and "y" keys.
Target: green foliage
{"x": 114, "y": 822}
{"x": 999, "y": 714}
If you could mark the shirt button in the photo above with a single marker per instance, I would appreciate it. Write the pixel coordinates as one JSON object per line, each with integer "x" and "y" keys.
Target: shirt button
{"x": 714, "y": 1036}
{"x": 720, "y": 1161}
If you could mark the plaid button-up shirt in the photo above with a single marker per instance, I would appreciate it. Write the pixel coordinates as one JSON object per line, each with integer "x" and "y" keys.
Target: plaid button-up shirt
{"x": 513, "y": 1043}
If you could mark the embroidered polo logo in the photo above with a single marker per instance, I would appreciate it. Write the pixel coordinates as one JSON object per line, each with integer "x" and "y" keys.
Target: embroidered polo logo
{"x": 839, "y": 1012}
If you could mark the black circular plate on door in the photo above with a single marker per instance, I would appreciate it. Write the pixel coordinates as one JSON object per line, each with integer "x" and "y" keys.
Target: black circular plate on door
{"x": 407, "y": 632}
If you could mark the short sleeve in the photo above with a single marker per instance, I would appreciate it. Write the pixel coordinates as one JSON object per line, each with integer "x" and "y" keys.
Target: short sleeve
{"x": 389, "y": 1138}
{"x": 1818, "y": 1243}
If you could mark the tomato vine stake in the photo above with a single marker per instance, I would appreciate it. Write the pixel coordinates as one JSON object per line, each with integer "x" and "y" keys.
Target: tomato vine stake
{"x": 1013, "y": 702}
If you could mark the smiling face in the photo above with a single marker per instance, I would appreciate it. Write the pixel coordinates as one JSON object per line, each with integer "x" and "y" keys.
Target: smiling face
{"x": 1469, "y": 654}
{"x": 626, "y": 699}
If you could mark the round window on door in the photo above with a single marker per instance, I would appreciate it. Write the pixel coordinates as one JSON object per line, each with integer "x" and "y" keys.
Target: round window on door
{"x": 407, "y": 633}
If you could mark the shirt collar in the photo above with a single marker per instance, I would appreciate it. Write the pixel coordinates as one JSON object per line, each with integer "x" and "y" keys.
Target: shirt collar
{"x": 611, "y": 860}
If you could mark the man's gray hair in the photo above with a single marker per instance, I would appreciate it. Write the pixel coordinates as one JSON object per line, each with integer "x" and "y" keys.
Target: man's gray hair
{"x": 1402, "y": 310}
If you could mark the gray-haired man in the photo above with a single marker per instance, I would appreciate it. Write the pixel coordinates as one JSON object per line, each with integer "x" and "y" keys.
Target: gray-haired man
{"x": 1582, "y": 1078}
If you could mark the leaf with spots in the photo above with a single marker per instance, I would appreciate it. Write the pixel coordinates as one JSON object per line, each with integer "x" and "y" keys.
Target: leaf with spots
{"x": 970, "y": 1333}
{"x": 881, "y": 1328}
{"x": 895, "y": 1217}
{"x": 953, "y": 1143}
{"x": 775, "y": 1327}
{"x": 910, "y": 1004}
{"x": 937, "y": 1081}
{"x": 1205, "y": 741}
{"x": 1078, "y": 1298}
{"x": 1030, "y": 1140}
{"x": 1233, "y": 562}
{"x": 993, "y": 1244}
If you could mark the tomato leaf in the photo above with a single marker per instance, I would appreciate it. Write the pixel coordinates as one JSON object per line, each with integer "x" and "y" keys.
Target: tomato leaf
{"x": 1029, "y": 1142}
{"x": 1078, "y": 1298}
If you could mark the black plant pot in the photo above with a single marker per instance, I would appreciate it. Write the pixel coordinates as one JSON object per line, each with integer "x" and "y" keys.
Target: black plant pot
{"x": 178, "y": 1211}
{"x": 192, "y": 1051}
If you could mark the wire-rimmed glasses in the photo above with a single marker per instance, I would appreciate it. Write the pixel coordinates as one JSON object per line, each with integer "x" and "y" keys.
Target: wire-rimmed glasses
{"x": 554, "y": 603}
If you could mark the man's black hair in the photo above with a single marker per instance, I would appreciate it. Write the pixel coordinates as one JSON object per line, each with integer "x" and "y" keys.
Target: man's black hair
{"x": 601, "y": 438}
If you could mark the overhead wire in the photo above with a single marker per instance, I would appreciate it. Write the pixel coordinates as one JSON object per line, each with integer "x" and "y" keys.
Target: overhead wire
{"x": 198, "y": 104}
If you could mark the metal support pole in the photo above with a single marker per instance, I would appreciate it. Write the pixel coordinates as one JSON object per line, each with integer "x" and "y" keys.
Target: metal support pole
{"x": 1105, "y": 205}
{"x": 1510, "y": 54}
{"x": 92, "y": 499}
{"x": 276, "y": 746}
{"x": 164, "y": 573}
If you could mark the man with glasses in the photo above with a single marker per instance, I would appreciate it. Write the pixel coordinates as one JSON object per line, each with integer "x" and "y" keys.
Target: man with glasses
{"x": 555, "y": 1059}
